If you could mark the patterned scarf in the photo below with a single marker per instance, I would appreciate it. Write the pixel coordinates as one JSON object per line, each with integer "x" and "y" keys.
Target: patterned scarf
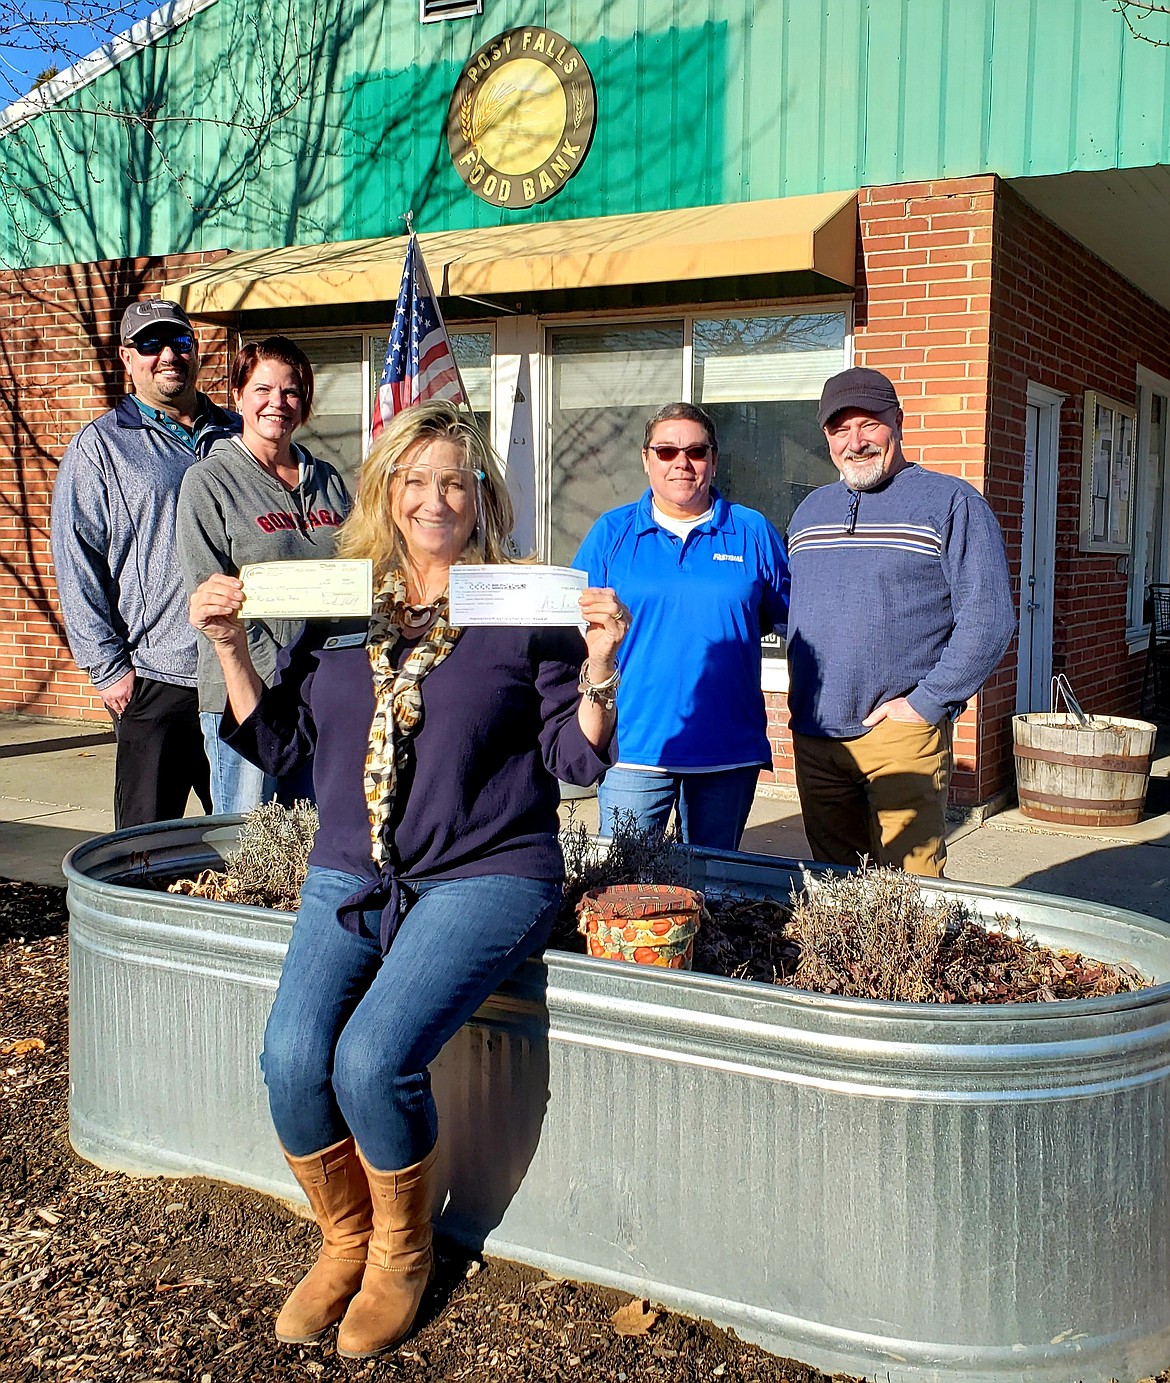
{"x": 398, "y": 712}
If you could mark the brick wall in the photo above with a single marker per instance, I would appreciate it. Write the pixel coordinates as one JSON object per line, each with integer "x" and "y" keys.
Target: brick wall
{"x": 965, "y": 296}
{"x": 1064, "y": 319}
{"x": 59, "y": 368}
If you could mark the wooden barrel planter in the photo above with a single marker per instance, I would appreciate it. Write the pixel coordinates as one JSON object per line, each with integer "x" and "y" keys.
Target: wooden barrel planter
{"x": 1083, "y": 775}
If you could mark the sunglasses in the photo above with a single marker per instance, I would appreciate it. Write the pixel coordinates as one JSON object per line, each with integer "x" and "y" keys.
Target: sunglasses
{"x": 182, "y": 344}
{"x": 699, "y": 452}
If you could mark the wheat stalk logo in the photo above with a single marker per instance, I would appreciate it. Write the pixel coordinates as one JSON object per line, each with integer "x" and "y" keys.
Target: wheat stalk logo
{"x": 476, "y": 117}
{"x": 578, "y": 107}
{"x": 465, "y": 125}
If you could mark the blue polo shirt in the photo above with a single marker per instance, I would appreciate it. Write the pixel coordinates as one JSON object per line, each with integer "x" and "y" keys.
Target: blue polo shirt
{"x": 690, "y": 695}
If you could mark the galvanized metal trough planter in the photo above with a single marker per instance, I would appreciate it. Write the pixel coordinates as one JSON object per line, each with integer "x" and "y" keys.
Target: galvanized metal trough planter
{"x": 908, "y": 1192}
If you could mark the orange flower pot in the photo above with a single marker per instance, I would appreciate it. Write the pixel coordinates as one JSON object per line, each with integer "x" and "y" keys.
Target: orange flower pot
{"x": 650, "y": 924}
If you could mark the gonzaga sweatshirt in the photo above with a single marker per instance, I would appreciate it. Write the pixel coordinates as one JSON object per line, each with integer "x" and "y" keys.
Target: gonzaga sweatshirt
{"x": 232, "y": 512}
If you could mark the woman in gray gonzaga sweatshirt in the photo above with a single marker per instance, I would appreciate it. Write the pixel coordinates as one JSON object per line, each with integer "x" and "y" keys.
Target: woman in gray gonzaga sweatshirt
{"x": 257, "y": 497}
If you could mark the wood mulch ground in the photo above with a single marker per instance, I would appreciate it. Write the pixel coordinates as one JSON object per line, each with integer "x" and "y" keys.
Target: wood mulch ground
{"x": 114, "y": 1279}
{"x": 119, "y": 1280}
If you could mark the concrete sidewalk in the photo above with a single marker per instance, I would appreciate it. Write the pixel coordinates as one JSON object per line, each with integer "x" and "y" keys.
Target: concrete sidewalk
{"x": 56, "y": 790}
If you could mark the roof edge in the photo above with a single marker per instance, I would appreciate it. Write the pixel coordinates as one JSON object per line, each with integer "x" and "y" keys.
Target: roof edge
{"x": 138, "y": 37}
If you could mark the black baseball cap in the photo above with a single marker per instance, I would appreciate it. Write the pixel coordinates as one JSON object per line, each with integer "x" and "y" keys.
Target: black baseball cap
{"x": 150, "y": 314}
{"x": 859, "y": 387}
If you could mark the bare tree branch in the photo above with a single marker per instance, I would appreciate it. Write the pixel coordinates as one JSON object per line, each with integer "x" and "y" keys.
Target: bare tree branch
{"x": 58, "y": 149}
{"x": 1133, "y": 12}
{"x": 61, "y": 33}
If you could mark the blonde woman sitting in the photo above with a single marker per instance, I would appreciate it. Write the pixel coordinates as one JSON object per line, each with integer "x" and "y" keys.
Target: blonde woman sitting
{"x": 436, "y": 870}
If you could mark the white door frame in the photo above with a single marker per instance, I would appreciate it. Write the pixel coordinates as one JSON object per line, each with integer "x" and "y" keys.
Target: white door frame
{"x": 516, "y": 431}
{"x": 1148, "y": 384}
{"x": 1038, "y": 549}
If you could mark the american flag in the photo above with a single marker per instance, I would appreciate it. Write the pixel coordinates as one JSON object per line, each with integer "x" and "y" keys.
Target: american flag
{"x": 419, "y": 364}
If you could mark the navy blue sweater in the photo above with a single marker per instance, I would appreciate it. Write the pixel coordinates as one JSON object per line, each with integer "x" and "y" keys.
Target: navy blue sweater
{"x": 898, "y": 591}
{"x": 480, "y": 794}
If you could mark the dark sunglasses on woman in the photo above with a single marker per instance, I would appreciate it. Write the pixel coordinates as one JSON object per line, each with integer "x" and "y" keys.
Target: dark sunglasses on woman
{"x": 699, "y": 452}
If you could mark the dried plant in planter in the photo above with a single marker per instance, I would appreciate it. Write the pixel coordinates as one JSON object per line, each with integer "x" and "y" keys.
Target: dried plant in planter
{"x": 268, "y": 865}
{"x": 871, "y": 934}
{"x": 875, "y": 935}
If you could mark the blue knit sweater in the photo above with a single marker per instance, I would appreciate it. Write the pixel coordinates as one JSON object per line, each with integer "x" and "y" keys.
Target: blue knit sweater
{"x": 898, "y": 591}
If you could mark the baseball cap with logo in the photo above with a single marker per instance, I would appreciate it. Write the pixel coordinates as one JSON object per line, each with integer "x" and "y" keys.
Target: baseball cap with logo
{"x": 149, "y": 315}
{"x": 868, "y": 390}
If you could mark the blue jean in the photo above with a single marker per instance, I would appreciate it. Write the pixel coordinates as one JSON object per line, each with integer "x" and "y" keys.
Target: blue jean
{"x": 237, "y": 785}
{"x": 712, "y": 807}
{"x": 351, "y": 1033}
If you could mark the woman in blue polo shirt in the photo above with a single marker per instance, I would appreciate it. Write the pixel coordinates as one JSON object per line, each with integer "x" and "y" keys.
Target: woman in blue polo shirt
{"x": 703, "y": 580}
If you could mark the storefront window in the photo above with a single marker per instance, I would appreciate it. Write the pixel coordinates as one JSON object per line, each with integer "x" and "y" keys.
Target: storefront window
{"x": 473, "y": 354}
{"x": 334, "y": 432}
{"x": 761, "y": 379}
{"x": 606, "y": 381}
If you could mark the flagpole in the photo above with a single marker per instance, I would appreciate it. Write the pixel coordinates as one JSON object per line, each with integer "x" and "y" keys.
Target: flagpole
{"x": 422, "y": 264}
{"x": 417, "y": 331}
{"x": 410, "y": 219}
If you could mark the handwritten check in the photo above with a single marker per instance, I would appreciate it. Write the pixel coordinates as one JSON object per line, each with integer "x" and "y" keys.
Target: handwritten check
{"x": 307, "y": 590}
{"x": 519, "y": 594}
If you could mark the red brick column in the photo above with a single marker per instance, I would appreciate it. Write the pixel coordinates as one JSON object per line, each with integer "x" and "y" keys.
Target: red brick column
{"x": 923, "y": 318}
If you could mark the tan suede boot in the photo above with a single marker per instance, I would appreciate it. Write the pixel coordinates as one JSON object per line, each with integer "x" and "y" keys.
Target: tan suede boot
{"x": 399, "y": 1262}
{"x": 335, "y": 1183}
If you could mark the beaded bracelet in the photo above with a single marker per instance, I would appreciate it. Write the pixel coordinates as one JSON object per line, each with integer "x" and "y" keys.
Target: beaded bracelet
{"x": 602, "y": 694}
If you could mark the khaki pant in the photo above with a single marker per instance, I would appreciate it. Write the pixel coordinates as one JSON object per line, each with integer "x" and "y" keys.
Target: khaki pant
{"x": 883, "y": 794}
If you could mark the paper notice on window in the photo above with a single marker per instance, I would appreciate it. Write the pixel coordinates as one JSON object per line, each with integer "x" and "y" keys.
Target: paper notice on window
{"x": 532, "y": 595}
{"x": 307, "y": 590}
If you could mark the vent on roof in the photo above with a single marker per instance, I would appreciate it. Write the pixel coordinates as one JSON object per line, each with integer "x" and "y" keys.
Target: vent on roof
{"x": 430, "y": 11}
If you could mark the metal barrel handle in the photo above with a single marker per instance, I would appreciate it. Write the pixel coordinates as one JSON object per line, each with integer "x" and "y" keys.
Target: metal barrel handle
{"x": 1061, "y": 691}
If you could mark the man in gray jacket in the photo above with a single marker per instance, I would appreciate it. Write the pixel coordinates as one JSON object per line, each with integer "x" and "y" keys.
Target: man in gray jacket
{"x": 117, "y": 565}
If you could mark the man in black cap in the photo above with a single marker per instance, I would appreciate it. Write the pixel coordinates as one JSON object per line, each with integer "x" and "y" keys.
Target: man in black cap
{"x": 901, "y": 608}
{"x": 118, "y": 573}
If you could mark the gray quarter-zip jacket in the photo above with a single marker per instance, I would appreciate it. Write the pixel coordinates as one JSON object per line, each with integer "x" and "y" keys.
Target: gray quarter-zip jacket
{"x": 115, "y": 555}
{"x": 232, "y": 512}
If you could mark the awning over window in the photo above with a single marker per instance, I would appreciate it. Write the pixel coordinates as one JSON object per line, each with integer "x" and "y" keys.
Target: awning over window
{"x": 817, "y": 233}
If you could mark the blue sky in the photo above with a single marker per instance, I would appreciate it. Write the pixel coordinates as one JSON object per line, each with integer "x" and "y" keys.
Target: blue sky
{"x": 35, "y": 36}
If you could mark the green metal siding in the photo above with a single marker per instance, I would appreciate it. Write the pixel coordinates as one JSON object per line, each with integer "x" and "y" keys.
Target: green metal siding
{"x": 251, "y": 126}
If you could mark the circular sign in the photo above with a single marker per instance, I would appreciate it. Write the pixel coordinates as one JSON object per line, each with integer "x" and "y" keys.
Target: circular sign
{"x": 521, "y": 117}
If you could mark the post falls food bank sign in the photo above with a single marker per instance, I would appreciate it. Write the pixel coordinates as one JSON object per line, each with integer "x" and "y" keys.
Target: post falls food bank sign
{"x": 521, "y": 117}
